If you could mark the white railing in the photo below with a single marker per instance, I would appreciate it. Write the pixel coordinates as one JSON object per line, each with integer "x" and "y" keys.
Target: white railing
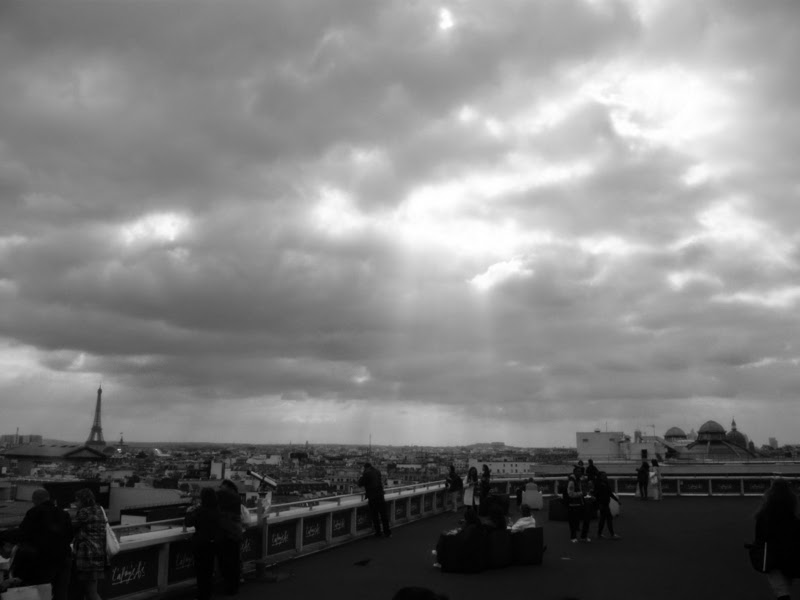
{"x": 158, "y": 556}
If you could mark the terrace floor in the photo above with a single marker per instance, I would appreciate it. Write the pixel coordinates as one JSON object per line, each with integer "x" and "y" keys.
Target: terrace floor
{"x": 679, "y": 548}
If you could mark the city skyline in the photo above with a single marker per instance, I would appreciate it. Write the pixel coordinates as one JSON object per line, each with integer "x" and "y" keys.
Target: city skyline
{"x": 426, "y": 223}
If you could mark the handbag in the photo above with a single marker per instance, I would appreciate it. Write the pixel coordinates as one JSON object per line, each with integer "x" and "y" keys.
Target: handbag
{"x": 112, "y": 543}
{"x": 28, "y": 592}
{"x": 758, "y": 556}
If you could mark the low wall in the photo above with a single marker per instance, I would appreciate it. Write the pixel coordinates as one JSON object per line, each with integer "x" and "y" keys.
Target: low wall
{"x": 158, "y": 556}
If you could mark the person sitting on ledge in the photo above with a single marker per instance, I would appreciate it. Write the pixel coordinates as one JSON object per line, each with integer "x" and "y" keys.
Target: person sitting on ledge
{"x": 525, "y": 521}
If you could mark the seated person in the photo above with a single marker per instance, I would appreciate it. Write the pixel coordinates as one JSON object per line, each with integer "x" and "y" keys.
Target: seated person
{"x": 20, "y": 560}
{"x": 497, "y": 520}
{"x": 472, "y": 533}
{"x": 525, "y": 521}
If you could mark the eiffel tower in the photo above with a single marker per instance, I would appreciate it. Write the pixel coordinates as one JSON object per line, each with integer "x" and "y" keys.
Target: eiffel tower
{"x": 96, "y": 436}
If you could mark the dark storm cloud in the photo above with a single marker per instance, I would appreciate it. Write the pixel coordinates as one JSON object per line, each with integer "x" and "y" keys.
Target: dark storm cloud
{"x": 551, "y": 206}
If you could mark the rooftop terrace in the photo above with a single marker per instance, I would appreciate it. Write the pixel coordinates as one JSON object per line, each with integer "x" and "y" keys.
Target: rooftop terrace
{"x": 683, "y": 547}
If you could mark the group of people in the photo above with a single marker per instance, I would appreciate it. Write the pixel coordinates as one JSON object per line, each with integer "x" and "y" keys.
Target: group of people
{"x": 475, "y": 488}
{"x": 218, "y": 530}
{"x": 50, "y": 546}
{"x": 587, "y": 487}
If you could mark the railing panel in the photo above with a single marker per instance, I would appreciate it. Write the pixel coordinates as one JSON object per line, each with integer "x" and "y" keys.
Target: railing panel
{"x": 363, "y": 519}
{"x": 693, "y": 486}
{"x": 342, "y": 522}
{"x": 181, "y": 561}
{"x": 132, "y": 572}
{"x": 314, "y": 529}
{"x": 282, "y": 537}
{"x": 726, "y": 487}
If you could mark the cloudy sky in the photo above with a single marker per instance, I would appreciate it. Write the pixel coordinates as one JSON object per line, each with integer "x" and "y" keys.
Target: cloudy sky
{"x": 429, "y": 222}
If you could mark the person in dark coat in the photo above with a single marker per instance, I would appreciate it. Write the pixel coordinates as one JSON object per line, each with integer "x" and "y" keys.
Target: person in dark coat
{"x": 47, "y": 531}
{"x": 372, "y": 483}
{"x": 21, "y": 561}
{"x": 89, "y": 527}
{"x": 454, "y": 486}
{"x": 603, "y": 495}
{"x": 643, "y": 478}
{"x": 778, "y": 526}
{"x": 592, "y": 472}
{"x": 485, "y": 487}
{"x": 205, "y": 519}
{"x": 229, "y": 542}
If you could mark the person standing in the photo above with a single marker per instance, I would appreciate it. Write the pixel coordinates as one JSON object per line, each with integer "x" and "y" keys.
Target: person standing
{"x": 229, "y": 541}
{"x": 654, "y": 482}
{"x": 454, "y": 486}
{"x": 591, "y": 472}
{"x": 576, "y": 509}
{"x": 372, "y": 482}
{"x": 603, "y": 495}
{"x": 47, "y": 531}
{"x": 205, "y": 519}
{"x": 643, "y": 478}
{"x": 470, "y": 495}
{"x": 777, "y": 525}
{"x": 89, "y": 528}
{"x": 485, "y": 487}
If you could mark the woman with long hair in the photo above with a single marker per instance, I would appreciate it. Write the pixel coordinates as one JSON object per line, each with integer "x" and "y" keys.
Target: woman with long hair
{"x": 89, "y": 527}
{"x": 485, "y": 488}
{"x": 205, "y": 519}
{"x": 777, "y": 526}
{"x": 470, "y": 494}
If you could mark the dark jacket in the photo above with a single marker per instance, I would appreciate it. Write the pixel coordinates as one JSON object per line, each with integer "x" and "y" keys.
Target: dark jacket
{"x": 46, "y": 531}
{"x": 206, "y": 523}
{"x": 603, "y": 494}
{"x": 372, "y": 483}
{"x": 454, "y": 483}
{"x": 783, "y": 543}
{"x": 230, "y": 510}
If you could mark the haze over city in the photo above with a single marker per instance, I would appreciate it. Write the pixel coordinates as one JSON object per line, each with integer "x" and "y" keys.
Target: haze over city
{"x": 431, "y": 223}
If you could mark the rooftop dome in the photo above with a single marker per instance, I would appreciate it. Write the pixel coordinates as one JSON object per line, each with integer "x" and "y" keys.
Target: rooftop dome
{"x": 737, "y": 437}
{"x": 710, "y": 430}
{"x": 711, "y": 427}
{"x": 675, "y": 432}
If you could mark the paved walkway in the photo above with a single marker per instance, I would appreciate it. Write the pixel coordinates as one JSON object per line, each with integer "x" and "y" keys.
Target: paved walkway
{"x": 679, "y": 548}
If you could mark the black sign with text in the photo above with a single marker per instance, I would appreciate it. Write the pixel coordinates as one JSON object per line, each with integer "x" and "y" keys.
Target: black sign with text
{"x": 131, "y": 572}
{"x": 440, "y": 499}
{"x": 281, "y": 537}
{"x": 313, "y": 530}
{"x": 181, "y": 561}
{"x": 363, "y": 518}
{"x": 427, "y": 502}
{"x": 415, "y": 506}
{"x": 669, "y": 486}
{"x": 756, "y": 486}
{"x": 252, "y": 543}
{"x": 694, "y": 486}
{"x": 627, "y": 486}
{"x": 400, "y": 509}
{"x": 341, "y": 522}
{"x": 726, "y": 486}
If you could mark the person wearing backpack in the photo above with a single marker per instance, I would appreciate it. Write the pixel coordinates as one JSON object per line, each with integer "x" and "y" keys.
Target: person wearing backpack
{"x": 603, "y": 494}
